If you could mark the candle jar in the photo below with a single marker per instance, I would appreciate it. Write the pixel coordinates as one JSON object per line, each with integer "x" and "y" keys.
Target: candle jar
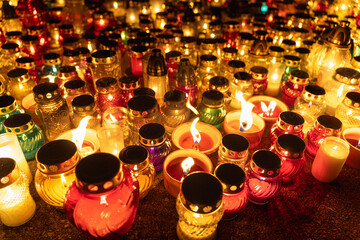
{"x": 242, "y": 85}
{"x": 66, "y": 74}
{"x": 174, "y": 111}
{"x": 303, "y": 54}
{"x": 137, "y": 53}
{"x": 264, "y": 179}
{"x": 31, "y": 46}
{"x": 166, "y": 42}
{"x": 259, "y": 51}
{"x": 128, "y": 85}
{"x": 325, "y": 126}
{"x": 142, "y": 109}
{"x": 51, "y": 65}
{"x": 8, "y": 107}
{"x": 233, "y": 67}
{"x": 289, "y": 46}
{"x": 276, "y": 69}
{"x": 172, "y": 63}
{"x": 103, "y": 64}
{"x": 290, "y": 149}
{"x": 8, "y": 54}
{"x": 208, "y": 46}
{"x": 82, "y": 106}
{"x": 153, "y": 139}
{"x": 349, "y": 110}
{"x": 19, "y": 83}
{"x": 293, "y": 86}
{"x": 74, "y": 58}
{"x": 103, "y": 206}
{"x": 212, "y": 108}
{"x": 136, "y": 159}
{"x": 144, "y": 91}
{"x": 208, "y": 68}
{"x": 108, "y": 93}
{"x": 259, "y": 79}
{"x": 28, "y": 133}
{"x": 199, "y": 216}
{"x": 291, "y": 63}
{"x": 233, "y": 149}
{"x": 32, "y": 13}
{"x": 227, "y": 55}
{"x": 221, "y": 84}
{"x": 344, "y": 81}
{"x": 330, "y": 159}
{"x": 189, "y": 50}
{"x": 29, "y": 64}
{"x": 52, "y": 110}
{"x": 236, "y": 193}
{"x": 186, "y": 81}
{"x": 55, "y": 172}
{"x": 16, "y": 204}
{"x": 287, "y": 123}
{"x": 78, "y": 14}
{"x": 246, "y": 40}
{"x": 72, "y": 89}
{"x": 230, "y": 32}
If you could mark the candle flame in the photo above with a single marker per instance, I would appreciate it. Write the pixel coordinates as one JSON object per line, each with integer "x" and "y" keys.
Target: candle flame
{"x": 340, "y": 91}
{"x": 51, "y": 79}
{"x": 79, "y": 132}
{"x": 191, "y": 107}
{"x": 112, "y": 118}
{"x": 246, "y": 119}
{"x": 358, "y": 146}
{"x": 268, "y": 110}
{"x": 187, "y": 164}
{"x": 195, "y": 133}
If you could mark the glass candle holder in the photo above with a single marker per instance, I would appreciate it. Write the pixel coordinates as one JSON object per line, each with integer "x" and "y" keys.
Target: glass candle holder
{"x": 236, "y": 193}
{"x": 29, "y": 64}
{"x": 19, "y": 83}
{"x": 186, "y": 81}
{"x": 352, "y": 137}
{"x": 188, "y": 50}
{"x": 325, "y": 126}
{"x": 109, "y": 201}
{"x": 28, "y": 133}
{"x": 32, "y": 13}
{"x": 16, "y": 204}
{"x": 233, "y": 149}
{"x": 74, "y": 88}
{"x": 330, "y": 159}
{"x": 259, "y": 79}
{"x": 128, "y": 85}
{"x": 246, "y": 40}
{"x": 52, "y": 110}
{"x": 293, "y": 86}
{"x": 230, "y": 31}
{"x": 287, "y": 123}
{"x": 8, "y": 107}
{"x": 51, "y": 64}
{"x": 227, "y": 55}
{"x": 349, "y": 110}
{"x": 276, "y": 69}
{"x": 83, "y": 106}
{"x": 221, "y": 84}
{"x": 290, "y": 149}
{"x": 111, "y": 138}
{"x": 172, "y": 62}
{"x": 292, "y": 63}
{"x": 104, "y": 64}
{"x": 199, "y": 216}
{"x": 8, "y": 54}
{"x": 241, "y": 85}
{"x": 233, "y": 67}
{"x": 258, "y": 54}
{"x": 212, "y": 108}
{"x": 137, "y": 53}
{"x": 66, "y": 74}
{"x": 208, "y": 68}
{"x": 136, "y": 159}
{"x": 108, "y": 93}
{"x": 263, "y": 176}
{"x": 55, "y": 172}
{"x": 153, "y": 139}
{"x": 31, "y": 46}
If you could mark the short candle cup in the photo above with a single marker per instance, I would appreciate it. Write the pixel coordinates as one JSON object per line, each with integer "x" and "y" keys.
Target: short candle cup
{"x": 253, "y": 135}
{"x": 352, "y": 137}
{"x": 280, "y": 107}
{"x": 111, "y": 139}
{"x": 173, "y": 172}
{"x": 210, "y": 137}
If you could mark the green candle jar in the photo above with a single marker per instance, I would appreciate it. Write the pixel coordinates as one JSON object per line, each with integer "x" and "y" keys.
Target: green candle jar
{"x": 212, "y": 108}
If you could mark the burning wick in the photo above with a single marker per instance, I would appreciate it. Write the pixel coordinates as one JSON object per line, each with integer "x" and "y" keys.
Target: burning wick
{"x": 268, "y": 111}
{"x": 246, "y": 119}
{"x": 196, "y": 134}
{"x": 191, "y": 107}
{"x": 79, "y": 136}
{"x": 186, "y": 166}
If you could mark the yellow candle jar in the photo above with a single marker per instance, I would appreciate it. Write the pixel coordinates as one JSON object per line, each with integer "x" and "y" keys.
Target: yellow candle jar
{"x": 19, "y": 83}
{"x": 136, "y": 158}
{"x": 55, "y": 172}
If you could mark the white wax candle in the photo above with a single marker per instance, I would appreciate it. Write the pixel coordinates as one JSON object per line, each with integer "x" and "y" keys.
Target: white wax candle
{"x": 330, "y": 159}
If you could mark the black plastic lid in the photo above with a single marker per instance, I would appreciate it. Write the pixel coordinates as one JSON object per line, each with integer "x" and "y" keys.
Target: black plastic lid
{"x": 81, "y": 50}
{"x": 235, "y": 142}
{"x": 266, "y": 159}
{"x": 292, "y": 118}
{"x": 105, "y": 82}
{"x": 156, "y": 65}
{"x": 13, "y": 33}
{"x": 9, "y": 46}
{"x": 230, "y": 50}
{"x": 208, "y": 57}
{"x": 56, "y": 152}
{"x": 353, "y": 96}
{"x": 142, "y": 103}
{"x": 299, "y": 74}
{"x": 7, "y": 165}
{"x": 246, "y": 36}
{"x": 103, "y": 54}
{"x": 97, "y": 168}
{"x": 259, "y": 70}
{"x": 139, "y": 49}
{"x": 71, "y": 40}
{"x": 17, "y": 120}
{"x": 144, "y": 91}
{"x": 152, "y": 131}
{"x": 315, "y": 89}
{"x": 213, "y": 97}
{"x": 288, "y": 42}
{"x": 291, "y": 143}
{"x": 243, "y": 76}
{"x": 83, "y": 101}
{"x": 329, "y": 122}
{"x": 175, "y": 98}
{"x": 302, "y": 50}
{"x": 6, "y": 101}
{"x": 230, "y": 174}
{"x": 219, "y": 81}
{"x": 133, "y": 154}
{"x": 202, "y": 188}
{"x": 29, "y": 38}
{"x": 236, "y": 64}
{"x": 292, "y": 58}
{"x": 347, "y": 72}
{"x": 133, "y": 41}
{"x": 17, "y": 72}
{"x": 188, "y": 39}
{"x": 44, "y": 88}
{"x": 67, "y": 69}
{"x": 24, "y": 60}
{"x": 51, "y": 56}
{"x": 276, "y": 49}
{"x": 66, "y": 26}
{"x": 129, "y": 79}
{"x": 74, "y": 84}
{"x": 172, "y": 54}
{"x": 72, "y": 53}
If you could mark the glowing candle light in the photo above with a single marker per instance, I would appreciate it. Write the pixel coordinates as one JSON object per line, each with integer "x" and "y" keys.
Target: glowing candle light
{"x": 195, "y": 133}
{"x": 268, "y": 110}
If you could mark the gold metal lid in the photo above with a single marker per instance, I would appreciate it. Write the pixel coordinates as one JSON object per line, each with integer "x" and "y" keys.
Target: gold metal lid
{"x": 265, "y": 163}
{"x": 19, "y": 123}
{"x": 83, "y": 103}
{"x": 66, "y": 72}
{"x": 19, "y": 75}
{"x": 25, "y": 62}
{"x": 134, "y": 157}
{"x": 299, "y": 77}
{"x": 355, "y": 62}
{"x": 231, "y": 26}
{"x": 290, "y": 146}
{"x": 347, "y": 76}
{"x": 106, "y": 85}
{"x": 152, "y": 134}
{"x": 9, "y": 172}
{"x": 235, "y": 66}
{"x": 45, "y": 92}
{"x": 259, "y": 72}
{"x": 352, "y": 99}
{"x": 328, "y": 125}
{"x": 129, "y": 82}
{"x": 231, "y": 176}
{"x": 313, "y": 93}
{"x": 234, "y": 146}
{"x": 290, "y": 122}
{"x": 103, "y": 57}
{"x": 51, "y": 59}
{"x": 7, "y": 104}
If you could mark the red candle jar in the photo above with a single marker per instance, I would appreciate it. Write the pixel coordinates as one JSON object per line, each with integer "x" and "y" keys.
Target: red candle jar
{"x": 41, "y": 32}
{"x": 128, "y": 84}
{"x": 230, "y": 32}
{"x": 103, "y": 200}
{"x": 32, "y": 12}
{"x": 352, "y": 137}
{"x": 259, "y": 79}
{"x": 287, "y": 123}
{"x": 290, "y": 149}
{"x": 294, "y": 85}
{"x": 172, "y": 62}
{"x": 102, "y": 20}
{"x": 29, "y": 64}
{"x": 108, "y": 93}
{"x": 65, "y": 31}
{"x": 263, "y": 176}
{"x": 270, "y": 116}
{"x": 234, "y": 149}
{"x": 174, "y": 173}
{"x": 137, "y": 53}
{"x": 325, "y": 126}
{"x": 236, "y": 192}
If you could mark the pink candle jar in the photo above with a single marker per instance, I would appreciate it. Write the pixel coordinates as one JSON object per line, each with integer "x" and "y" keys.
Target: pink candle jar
{"x": 102, "y": 201}
{"x": 325, "y": 126}
{"x": 172, "y": 62}
{"x": 294, "y": 85}
{"x": 108, "y": 93}
{"x": 236, "y": 193}
{"x": 137, "y": 53}
{"x": 352, "y": 137}
{"x": 259, "y": 79}
{"x": 128, "y": 84}
{"x": 287, "y": 123}
{"x": 263, "y": 176}
{"x": 290, "y": 149}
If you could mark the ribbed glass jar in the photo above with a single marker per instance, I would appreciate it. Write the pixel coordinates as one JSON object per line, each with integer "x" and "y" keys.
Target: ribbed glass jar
{"x": 233, "y": 149}
{"x": 212, "y": 108}
{"x": 349, "y": 110}
{"x": 293, "y": 86}
{"x": 19, "y": 83}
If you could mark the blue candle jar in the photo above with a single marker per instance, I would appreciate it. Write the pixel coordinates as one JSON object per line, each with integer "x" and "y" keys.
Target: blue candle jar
{"x": 8, "y": 107}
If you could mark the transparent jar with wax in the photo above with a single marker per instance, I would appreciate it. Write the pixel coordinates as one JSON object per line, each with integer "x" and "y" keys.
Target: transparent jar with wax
{"x": 208, "y": 46}
{"x": 189, "y": 50}
{"x": 289, "y": 46}
{"x": 241, "y": 86}
{"x": 55, "y": 172}
{"x": 303, "y": 54}
{"x": 290, "y": 149}
{"x": 234, "y": 149}
{"x": 325, "y": 126}
{"x": 208, "y": 68}
{"x": 8, "y": 107}
{"x": 349, "y": 110}
{"x": 276, "y": 69}
{"x": 199, "y": 216}
{"x": 29, "y": 64}
{"x": 74, "y": 88}
{"x": 230, "y": 31}
{"x": 136, "y": 159}
{"x": 128, "y": 84}
{"x": 287, "y": 123}
{"x": 16, "y": 204}
{"x": 263, "y": 179}
{"x": 227, "y": 54}
{"x": 222, "y": 85}
{"x": 82, "y": 106}
{"x": 9, "y": 52}
{"x": 236, "y": 193}
{"x": 103, "y": 200}
{"x": 51, "y": 65}
{"x": 293, "y": 86}
{"x": 212, "y": 108}
{"x": 258, "y": 54}
{"x": 233, "y": 67}
{"x": 19, "y": 83}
